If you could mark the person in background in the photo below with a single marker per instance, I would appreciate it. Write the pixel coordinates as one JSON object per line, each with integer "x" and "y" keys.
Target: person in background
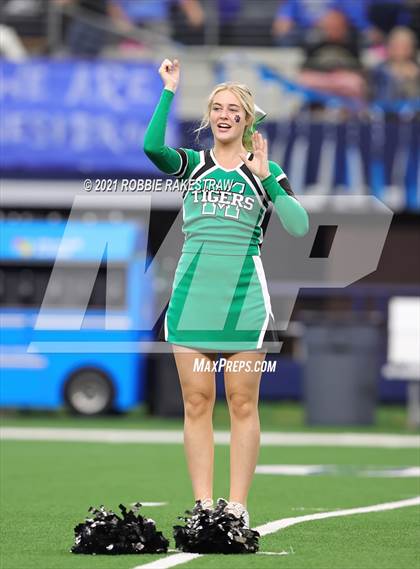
{"x": 333, "y": 64}
{"x": 297, "y": 22}
{"x": 157, "y": 15}
{"x": 83, "y": 37}
{"x": 187, "y": 19}
{"x": 398, "y": 77}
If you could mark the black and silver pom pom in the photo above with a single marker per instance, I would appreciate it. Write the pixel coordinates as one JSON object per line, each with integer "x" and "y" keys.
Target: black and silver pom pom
{"x": 107, "y": 533}
{"x": 214, "y": 531}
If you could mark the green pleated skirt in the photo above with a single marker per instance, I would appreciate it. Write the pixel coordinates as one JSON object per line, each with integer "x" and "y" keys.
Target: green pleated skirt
{"x": 219, "y": 303}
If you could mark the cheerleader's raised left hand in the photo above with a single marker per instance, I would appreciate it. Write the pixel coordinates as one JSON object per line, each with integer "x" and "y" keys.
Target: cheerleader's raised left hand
{"x": 259, "y": 164}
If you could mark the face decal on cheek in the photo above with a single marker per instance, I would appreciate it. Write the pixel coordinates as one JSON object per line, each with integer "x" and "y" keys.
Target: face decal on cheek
{"x": 227, "y": 117}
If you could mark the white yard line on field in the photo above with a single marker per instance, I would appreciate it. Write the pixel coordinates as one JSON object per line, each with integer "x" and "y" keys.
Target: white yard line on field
{"x": 258, "y": 552}
{"x": 176, "y": 559}
{"x": 336, "y": 470}
{"x": 380, "y": 440}
{"x": 272, "y": 527}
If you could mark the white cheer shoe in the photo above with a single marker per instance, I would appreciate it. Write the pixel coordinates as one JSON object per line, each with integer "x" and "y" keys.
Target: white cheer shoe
{"x": 239, "y": 511}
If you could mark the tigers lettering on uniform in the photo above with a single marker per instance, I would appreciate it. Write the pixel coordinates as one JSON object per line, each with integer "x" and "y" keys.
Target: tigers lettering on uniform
{"x": 231, "y": 200}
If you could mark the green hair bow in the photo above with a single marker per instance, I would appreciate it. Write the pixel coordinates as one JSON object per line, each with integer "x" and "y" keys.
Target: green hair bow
{"x": 260, "y": 115}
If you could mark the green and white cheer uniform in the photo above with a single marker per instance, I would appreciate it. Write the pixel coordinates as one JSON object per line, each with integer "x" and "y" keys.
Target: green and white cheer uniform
{"x": 220, "y": 299}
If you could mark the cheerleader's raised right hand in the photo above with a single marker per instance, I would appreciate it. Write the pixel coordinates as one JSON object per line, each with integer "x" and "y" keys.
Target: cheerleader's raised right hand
{"x": 169, "y": 71}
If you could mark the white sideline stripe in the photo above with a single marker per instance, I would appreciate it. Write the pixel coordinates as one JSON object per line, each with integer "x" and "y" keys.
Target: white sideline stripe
{"x": 272, "y": 527}
{"x": 272, "y": 552}
{"x": 257, "y": 553}
{"x": 292, "y": 469}
{"x": 176, "y": 559}
{"x": 333, "y": 469}
{"x": 170, "y": 550}
{"x": 380, "y": 440}
{"x": 409, "y": 472}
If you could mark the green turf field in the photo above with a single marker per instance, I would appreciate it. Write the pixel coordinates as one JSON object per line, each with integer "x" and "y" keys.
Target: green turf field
{"x": 47, "y": 487}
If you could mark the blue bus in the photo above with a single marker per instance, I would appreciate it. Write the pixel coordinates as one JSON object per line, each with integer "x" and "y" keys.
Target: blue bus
{"x": 74, "y": 303}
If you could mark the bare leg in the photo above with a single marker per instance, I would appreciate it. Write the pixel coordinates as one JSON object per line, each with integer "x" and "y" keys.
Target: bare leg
{"x": 199, "y": 394}
{"x": 242, "y": 392}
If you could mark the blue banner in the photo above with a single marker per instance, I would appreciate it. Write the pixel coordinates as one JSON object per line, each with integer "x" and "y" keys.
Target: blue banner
{"x": 77, "y": 116}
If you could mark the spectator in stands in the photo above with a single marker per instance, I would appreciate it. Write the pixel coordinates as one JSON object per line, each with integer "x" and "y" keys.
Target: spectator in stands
{"x": 188, "y": 21}
{"x": 332, "y": 64}
{"x": 297, "y": 21}
{"x": 398, "y": 77}
{"x": 155, "y": 15}
{"x": 83, "y": 37}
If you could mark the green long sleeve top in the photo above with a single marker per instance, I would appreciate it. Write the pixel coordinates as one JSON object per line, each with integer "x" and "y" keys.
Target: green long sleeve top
{"x": 220, "y": 202}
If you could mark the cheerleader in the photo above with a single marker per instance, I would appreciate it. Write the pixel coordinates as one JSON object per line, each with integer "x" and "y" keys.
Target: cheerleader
{"x": 220, "y": 303}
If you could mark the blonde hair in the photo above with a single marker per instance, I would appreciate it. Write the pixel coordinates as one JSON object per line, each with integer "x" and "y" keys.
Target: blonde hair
{"x": 247, "y": 101}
